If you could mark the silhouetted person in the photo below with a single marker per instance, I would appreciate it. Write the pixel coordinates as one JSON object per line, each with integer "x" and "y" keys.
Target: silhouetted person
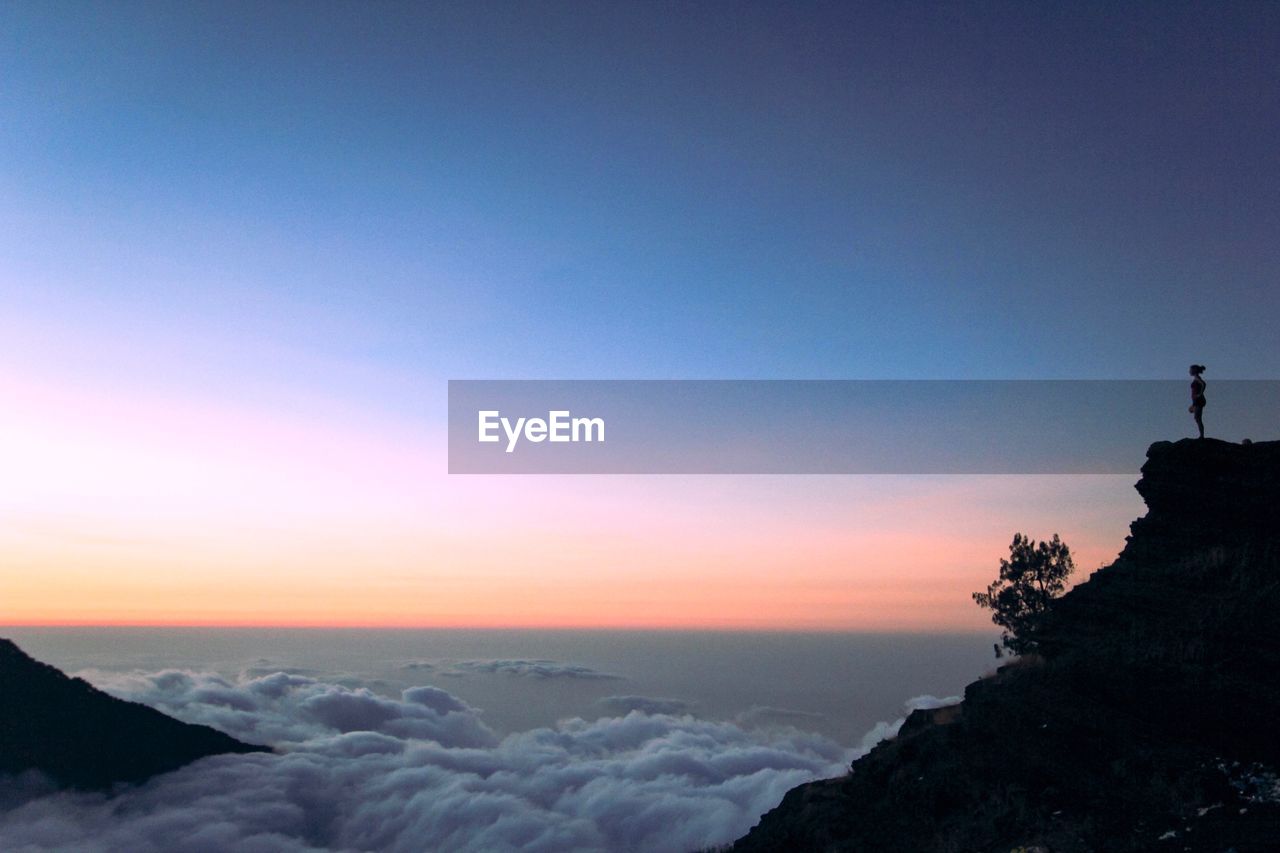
{"x": 1197, "y": 396}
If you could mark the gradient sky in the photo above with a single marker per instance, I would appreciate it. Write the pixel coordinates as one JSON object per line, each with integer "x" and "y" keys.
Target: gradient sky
{"x": 243, "y": 246}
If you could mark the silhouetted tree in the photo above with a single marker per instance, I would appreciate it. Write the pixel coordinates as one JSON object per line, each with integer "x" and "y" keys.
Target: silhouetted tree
{"x": 1033, "y": 576}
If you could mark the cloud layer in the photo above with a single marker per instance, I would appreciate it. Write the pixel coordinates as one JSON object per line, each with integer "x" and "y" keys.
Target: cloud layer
{"x": 361, "y": 771}
{"x": 528, "y": 669}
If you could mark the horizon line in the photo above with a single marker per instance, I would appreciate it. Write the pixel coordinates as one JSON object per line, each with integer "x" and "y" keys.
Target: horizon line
{"x": 314, "y": 626}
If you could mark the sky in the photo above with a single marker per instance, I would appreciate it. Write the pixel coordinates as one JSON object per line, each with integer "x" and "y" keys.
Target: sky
{"x": 243, "y": 247}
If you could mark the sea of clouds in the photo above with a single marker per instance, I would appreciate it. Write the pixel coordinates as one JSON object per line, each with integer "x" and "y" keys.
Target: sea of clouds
{"x": 357, "y": 770}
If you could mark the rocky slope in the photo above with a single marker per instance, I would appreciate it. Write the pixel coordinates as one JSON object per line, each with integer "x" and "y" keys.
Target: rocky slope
{"x": 1148, "y": 721}
{"x": 83, "y": 738}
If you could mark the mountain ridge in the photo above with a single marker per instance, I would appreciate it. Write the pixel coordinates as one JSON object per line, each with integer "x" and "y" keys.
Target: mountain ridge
{"x": 1145, "y": 722}
{"x": 81, "y": 737}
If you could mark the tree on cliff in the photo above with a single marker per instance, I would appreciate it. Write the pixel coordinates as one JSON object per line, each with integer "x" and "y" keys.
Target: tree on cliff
{"x": 1033, "y": 576}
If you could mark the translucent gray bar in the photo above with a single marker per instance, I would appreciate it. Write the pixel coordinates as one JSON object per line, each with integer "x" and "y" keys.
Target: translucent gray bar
{"x": 839, "y": 427}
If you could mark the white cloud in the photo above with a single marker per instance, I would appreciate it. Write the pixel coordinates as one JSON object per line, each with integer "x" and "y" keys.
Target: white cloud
{"x": 284, "y": 708}
{"x": 765, "y": 715}
{"x": 883, "y": 730}
{"x": 929, "y": 703}
{"x": 527, "y": 669}
{"x": 621, "y": 705}
{"x": 360, "y": 771}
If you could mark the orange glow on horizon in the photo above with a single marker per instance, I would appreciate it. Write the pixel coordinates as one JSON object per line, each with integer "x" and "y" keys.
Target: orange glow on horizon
{"x": 181, "y": 512}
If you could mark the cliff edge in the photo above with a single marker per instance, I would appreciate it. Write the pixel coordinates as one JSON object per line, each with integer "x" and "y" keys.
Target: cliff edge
{"x": 1147, "y": 721}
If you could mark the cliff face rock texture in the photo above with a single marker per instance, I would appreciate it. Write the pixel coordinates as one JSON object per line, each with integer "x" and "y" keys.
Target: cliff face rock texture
{"x": 1150, "y": 720}
{"x": 83, "y": 738}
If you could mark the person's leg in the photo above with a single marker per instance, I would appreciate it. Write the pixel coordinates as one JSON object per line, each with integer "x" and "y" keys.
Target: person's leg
{"x": 1200, "y": 420}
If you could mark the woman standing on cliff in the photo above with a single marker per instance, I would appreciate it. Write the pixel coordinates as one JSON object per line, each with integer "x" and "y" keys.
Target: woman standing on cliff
{"x": 1197, "y": 396}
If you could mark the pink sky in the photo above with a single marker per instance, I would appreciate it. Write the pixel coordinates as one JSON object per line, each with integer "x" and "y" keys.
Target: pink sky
{"x": 132, "y": 507}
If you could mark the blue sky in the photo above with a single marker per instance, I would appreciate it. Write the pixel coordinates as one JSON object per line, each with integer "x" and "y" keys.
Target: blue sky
{"x": 244, "y": 245}
{"x": 649, "y": 190}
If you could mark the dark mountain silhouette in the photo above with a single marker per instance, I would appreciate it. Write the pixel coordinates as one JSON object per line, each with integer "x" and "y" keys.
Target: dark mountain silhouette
{"x": 83, "y": 738}
{"x": 1148, "y": 721}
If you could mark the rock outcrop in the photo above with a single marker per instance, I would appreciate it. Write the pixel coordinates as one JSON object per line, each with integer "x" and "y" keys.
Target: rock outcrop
{"x": 1146, "y": 722}
{"x": 80, "y": 737}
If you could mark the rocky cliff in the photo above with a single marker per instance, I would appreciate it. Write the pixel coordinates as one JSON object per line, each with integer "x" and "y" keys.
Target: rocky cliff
{"x": 83, "y": 738}
{"x": 1147, "y": 722}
